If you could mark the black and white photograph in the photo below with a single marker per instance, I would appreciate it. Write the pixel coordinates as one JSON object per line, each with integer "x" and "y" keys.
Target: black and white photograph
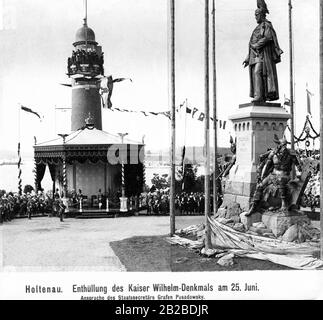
{"x": 161, "y": 150}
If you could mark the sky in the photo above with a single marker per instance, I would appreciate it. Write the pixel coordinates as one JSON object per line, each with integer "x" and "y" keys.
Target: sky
{"x": 36, "y": 39}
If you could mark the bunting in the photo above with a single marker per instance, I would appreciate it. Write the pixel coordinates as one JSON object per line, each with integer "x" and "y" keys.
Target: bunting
{"x": 200, "y": 116}
{"x": 196, "y": 114}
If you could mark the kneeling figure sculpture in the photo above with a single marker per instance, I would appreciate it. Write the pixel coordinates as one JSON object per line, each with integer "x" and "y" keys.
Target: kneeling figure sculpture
{"x": 274, "y": 176}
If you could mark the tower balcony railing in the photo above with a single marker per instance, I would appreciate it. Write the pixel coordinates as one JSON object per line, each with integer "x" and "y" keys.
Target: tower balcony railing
{"x": 85, "y": 70}
{"x": 87, "y": 63}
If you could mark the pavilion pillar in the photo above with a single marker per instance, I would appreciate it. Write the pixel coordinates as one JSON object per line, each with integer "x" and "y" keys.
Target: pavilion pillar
{"x": 65, "y": 199}
{"x": 105, "y": 178}
{"x": 74, "y": 176}
{"x": 64, "y": 177}
{"x": 123, "y": 199}
{"x": 35, "y": 176}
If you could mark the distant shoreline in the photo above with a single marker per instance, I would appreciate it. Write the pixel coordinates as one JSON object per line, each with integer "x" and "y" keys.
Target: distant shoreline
{"x": 9, "y": 163}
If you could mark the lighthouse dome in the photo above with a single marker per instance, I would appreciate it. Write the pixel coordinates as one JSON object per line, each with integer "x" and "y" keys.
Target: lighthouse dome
{"x": 84, "y": 34}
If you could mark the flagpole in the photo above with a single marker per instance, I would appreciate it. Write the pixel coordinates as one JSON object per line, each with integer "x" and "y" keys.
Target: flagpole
{"x": 208, "y": 244}
{"x": 186, "y": 103}
{"x": 173, "y": 115}
{"x": 321, "y": 123}
{"x": 215, "y": 160}
{"x": 185, "y": 131}
{"x": 85, "y": 22}
{"x": 184, "y": 147}
{"x": 291, "y": 79}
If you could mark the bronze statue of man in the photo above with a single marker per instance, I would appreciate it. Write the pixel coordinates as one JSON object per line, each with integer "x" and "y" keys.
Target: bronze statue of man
{"x": 264, "y": 54}
{"x": 275, "y": 170}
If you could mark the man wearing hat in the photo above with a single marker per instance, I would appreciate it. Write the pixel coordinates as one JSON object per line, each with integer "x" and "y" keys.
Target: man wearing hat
{"x": 30, "y": 206}
{"x": 264, "y": 53}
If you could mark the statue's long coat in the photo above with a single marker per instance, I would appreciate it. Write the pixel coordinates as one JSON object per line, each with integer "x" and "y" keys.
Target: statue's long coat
{"x": 268, "y": 44}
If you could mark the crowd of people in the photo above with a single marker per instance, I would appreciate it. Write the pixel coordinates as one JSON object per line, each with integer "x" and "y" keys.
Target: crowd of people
{"x": 186, "y": 203}
{"x": 311, "y": 197}
{"x": 156, "y": 202}
{"x": 81, "y": 57}
{"x": 13, "y": 205}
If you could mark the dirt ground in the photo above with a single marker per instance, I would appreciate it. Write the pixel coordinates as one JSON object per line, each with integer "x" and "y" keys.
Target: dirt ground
{"x": 156, "y": 254}
{"x": 46, "y": 244}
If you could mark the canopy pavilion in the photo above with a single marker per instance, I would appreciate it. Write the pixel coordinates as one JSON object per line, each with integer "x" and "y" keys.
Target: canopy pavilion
{"x": 90, "y": 160}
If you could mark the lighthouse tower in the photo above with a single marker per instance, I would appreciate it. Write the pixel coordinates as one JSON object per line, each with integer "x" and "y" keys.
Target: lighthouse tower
{"x": 85, "y": 159}
{"x": 85, "y": 68}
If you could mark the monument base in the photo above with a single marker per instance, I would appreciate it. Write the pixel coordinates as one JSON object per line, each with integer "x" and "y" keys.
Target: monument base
{"x": 247, "y": 221}
{"x": 279, "y": 222}
{"x": 255, "y": 126}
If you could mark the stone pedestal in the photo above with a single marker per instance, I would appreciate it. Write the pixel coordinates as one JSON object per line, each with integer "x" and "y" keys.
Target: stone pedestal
{"x": 247, "y": 221}
{"x": 123, "y": 204}
{"x": 278, "y": 223}
{"x": 255, "y": 125}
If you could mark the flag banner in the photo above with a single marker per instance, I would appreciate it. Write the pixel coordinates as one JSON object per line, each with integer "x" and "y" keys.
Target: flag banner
{"x": 201, "y": 117}
{"x": 180, "y": 106}
{"x": 309, "y": 95}
{"x": 30, "y": 111}
{"x": 193, "y": 111}
{"x": 167, "y": 114}
{"x": 121, "y": 79}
